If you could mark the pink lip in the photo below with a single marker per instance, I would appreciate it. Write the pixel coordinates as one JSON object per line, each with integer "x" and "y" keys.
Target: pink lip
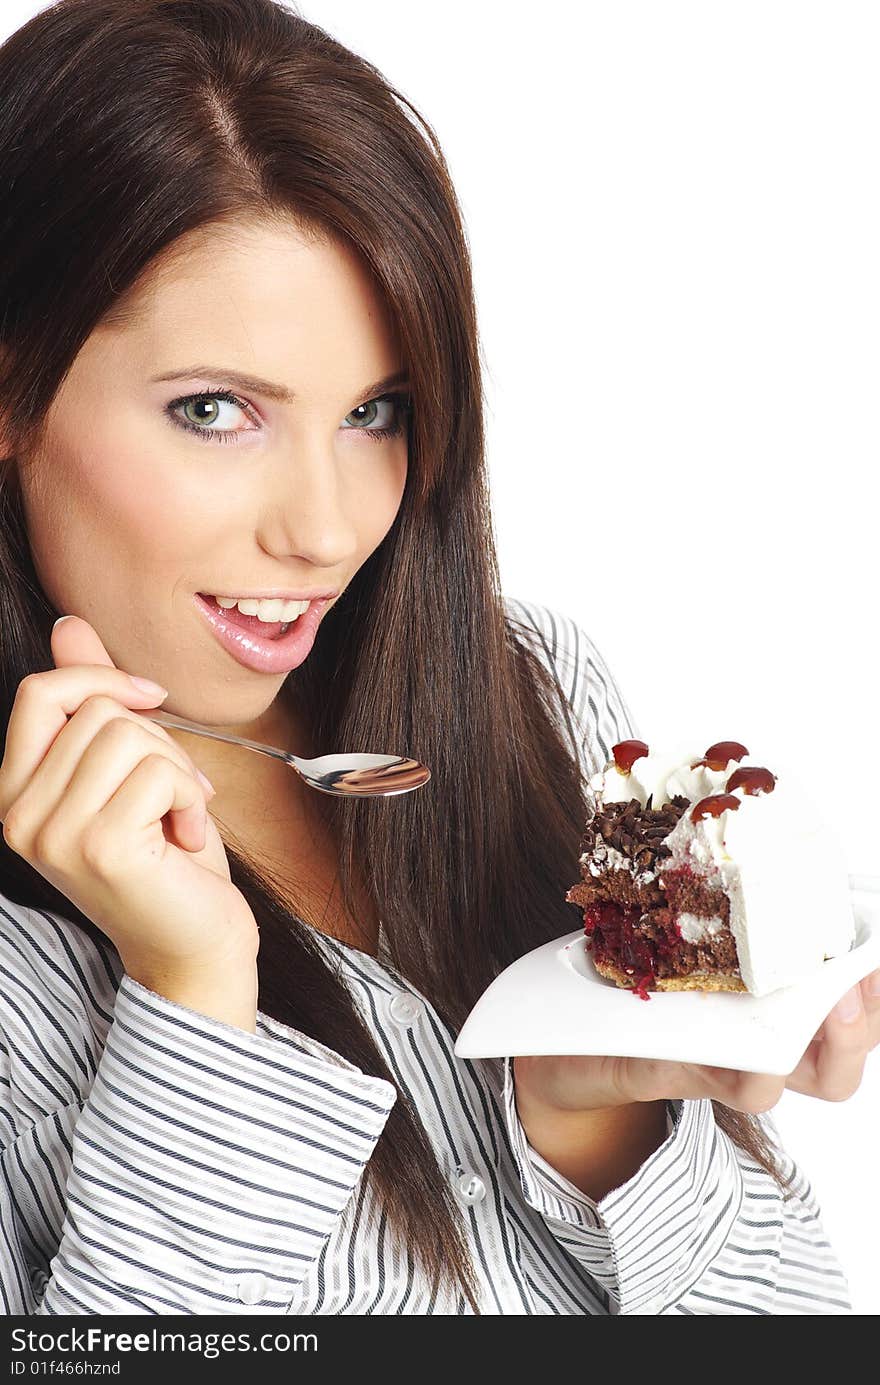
{"x": 266, "y": 656}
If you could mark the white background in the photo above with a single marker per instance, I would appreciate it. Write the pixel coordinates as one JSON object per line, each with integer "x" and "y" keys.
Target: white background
{"x": 674, "y": 217}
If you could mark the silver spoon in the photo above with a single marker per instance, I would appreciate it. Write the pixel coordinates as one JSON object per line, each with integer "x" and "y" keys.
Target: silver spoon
{"x": 358, "y": 776}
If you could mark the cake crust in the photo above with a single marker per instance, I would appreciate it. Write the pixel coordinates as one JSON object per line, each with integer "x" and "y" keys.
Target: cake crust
{"x": 696, "y": 981}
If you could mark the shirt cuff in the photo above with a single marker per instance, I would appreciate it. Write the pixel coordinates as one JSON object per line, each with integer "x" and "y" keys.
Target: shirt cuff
{"x": 210, "y": 1164}
{"x": 648, "y": 1241}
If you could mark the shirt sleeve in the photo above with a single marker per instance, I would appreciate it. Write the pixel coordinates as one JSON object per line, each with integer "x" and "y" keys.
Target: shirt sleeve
{"x": 698, "y": 1229}
{"x": 200, "y": 1172}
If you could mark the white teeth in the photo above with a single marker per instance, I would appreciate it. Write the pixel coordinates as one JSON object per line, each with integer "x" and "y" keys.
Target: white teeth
{"x": 268, "y": 611}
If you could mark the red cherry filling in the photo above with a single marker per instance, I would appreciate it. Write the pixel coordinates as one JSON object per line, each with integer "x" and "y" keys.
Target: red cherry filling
{"x": 614, "y": 938}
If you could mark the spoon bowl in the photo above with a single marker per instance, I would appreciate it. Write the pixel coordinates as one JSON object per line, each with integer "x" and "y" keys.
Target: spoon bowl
{"x": 355, "y": 775}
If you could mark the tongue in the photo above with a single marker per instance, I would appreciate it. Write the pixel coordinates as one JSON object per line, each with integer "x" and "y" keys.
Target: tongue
{"x": 269, "y": 630}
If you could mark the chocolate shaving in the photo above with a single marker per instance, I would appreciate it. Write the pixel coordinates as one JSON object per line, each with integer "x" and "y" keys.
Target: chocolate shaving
{"x": 636, "y": 832}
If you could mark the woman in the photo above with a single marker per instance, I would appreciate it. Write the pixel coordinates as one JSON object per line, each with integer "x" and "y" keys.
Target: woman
{"x": 229, "y": 1086}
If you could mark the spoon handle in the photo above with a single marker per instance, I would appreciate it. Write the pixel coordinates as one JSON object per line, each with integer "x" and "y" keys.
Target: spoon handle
{"x": 166, "y": 719}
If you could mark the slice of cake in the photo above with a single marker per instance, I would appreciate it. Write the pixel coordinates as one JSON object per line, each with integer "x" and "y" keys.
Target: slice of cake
{"x": 703, "y": 873}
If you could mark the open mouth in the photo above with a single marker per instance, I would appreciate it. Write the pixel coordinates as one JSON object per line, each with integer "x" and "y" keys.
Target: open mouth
{"x": 266, "y": 629}
{"x": 266, "y": 646}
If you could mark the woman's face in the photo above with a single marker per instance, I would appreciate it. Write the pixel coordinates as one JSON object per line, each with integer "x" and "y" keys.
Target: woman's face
{"x": 130, "y": 514}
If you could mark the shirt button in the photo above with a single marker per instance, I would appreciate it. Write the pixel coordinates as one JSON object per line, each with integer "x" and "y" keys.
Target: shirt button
{"x": 404, "y": 1009}
{"x": 252, "y": 1287}
{"x": 470, "y": 1188}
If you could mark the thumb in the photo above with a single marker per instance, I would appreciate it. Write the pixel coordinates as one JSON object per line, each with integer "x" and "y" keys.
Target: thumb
{"x": 74, "y": 641}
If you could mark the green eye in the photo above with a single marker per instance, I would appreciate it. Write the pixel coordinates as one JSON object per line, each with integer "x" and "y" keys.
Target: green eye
{"x": 397, "y": 408}
{"x": 211, "y": 398}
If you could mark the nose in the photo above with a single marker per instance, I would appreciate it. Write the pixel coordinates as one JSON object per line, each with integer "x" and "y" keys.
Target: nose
{"x": 307, "y": 512}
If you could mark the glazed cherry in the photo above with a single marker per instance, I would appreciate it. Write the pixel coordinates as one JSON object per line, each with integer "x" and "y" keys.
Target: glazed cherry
{"x": 720, "y": 753}
{"x": 627, "y": 752}
{"x": 752, "y": 779}
{"x": 714, "y": 805}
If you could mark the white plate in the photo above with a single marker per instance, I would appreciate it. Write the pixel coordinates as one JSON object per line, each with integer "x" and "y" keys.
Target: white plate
{"x": 554, "y": 1001}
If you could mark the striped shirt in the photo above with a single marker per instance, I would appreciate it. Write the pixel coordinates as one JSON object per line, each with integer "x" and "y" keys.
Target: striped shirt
{"x": 159, "y": 1161}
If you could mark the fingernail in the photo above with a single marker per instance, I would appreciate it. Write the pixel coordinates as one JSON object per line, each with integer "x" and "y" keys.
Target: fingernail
{"x": 874, "y": 983}
{"x": 59, "y": 620}
{"x": 206, "y": 781}
{"x": 146, "y": 685}
{"x": 847, "y": 1009}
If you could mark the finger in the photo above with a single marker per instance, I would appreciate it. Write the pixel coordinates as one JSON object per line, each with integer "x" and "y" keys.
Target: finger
{"x": 157, "y": 730}
{"x": 832, "y": 1066}
{"x": 105, "y": 815}
{"x": 124, "y": 739}
{"x": 40, "y": 711}
{"x": 133, "y": 814}
{"x": 750, "y": 1092}
{"x": 871, "y": 1000}
{"x": 74, "y": 641}
{"x": 52, "y": 776}
{"x": 98, "y": 747}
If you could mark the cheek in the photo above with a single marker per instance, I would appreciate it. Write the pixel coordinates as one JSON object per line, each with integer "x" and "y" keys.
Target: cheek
{"x": 378, "y": 496}
{"x": 136, "y": 515}
{"x": 97, "y": 514}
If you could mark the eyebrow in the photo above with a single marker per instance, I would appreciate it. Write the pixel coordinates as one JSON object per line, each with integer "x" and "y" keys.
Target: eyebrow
{"x": 255, "y": 385}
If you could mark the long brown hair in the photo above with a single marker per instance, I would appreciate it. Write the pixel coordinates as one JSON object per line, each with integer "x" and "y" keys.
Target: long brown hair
{"x": 123, "y": 124}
